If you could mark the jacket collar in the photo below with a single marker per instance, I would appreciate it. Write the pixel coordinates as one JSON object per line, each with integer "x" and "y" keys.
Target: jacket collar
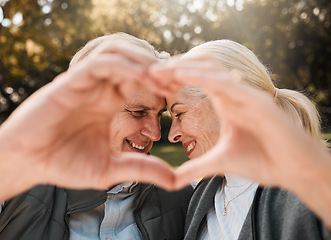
{"x": 83, "y": 200}
{"x": 202, "y": 200}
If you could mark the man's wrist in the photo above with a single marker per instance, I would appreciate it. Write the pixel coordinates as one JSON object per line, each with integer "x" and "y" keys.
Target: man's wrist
{"x": 15, "y": 176}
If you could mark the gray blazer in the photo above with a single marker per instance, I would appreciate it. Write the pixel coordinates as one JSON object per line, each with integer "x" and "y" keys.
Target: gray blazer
{"x": 274, "y": 214}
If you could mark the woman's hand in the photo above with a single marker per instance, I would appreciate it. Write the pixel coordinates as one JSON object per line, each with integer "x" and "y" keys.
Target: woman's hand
{"x": 257, "y": 139}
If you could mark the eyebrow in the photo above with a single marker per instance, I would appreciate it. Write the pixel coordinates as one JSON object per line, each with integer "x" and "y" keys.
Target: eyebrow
{"x": 143, "y": 108}
{"x": 175, "y": 104}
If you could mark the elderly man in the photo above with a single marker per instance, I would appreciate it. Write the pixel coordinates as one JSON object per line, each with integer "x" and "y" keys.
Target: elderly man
{"x": 85, "y": 133}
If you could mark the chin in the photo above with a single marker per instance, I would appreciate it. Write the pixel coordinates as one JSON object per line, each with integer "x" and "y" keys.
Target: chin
{"x": 192, "y": 156}
{"x": 195, "y": 155}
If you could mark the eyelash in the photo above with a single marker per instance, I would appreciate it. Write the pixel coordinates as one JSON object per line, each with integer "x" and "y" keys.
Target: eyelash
{"x": 140, "y": 114}
{"x": 137, "y": 114}
{"x": 178, "y": 115}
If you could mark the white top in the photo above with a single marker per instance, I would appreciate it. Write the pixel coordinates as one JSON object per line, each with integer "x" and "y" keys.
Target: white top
{"x": 228, "y": 226}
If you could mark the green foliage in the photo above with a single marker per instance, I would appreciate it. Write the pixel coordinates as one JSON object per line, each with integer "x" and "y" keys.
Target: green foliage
{"x": 39, "y": 47}
{"x": 293, "y": 38}
{"x": 174, "y": 154}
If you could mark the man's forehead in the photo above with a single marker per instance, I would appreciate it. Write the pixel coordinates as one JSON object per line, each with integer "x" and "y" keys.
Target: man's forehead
{"x": 149, "y": 106}
{"x": 146, "y": 100}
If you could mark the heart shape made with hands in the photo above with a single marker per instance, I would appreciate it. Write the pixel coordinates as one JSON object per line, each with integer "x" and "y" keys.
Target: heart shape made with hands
{"x": 241, "y": 147}
{"x": 62, "y": 130}
{"x": 72, "y": 148}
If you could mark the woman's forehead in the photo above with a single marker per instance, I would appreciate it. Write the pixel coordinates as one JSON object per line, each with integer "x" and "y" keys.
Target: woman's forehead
{"x": 184, "y": 96}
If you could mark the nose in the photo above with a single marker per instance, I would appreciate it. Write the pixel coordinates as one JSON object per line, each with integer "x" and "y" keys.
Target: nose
{"x": 152, "y": 129}
{"x": 175, "y": 133}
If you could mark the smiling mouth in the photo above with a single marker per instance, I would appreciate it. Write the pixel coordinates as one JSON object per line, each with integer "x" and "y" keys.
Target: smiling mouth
{"x": 191, "y": 146}
{"x": 136, "y": 146}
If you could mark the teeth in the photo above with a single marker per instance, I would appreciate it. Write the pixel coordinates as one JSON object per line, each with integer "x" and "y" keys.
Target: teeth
{"x": 191, "y": 146}
{"x": 137, "y": 146}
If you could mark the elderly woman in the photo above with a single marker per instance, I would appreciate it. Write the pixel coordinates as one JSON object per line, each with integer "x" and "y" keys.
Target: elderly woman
{"x": 232, "y": 207}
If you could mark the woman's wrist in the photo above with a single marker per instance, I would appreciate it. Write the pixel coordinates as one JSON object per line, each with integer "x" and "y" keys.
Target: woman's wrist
{"x": 314, "y": 184}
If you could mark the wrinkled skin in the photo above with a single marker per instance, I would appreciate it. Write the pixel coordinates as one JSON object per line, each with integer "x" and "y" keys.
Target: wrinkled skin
{"x": 62, "y": 134}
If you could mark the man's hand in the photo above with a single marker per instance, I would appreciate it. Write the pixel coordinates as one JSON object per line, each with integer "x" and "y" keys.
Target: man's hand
{"x": 59, "y": 135}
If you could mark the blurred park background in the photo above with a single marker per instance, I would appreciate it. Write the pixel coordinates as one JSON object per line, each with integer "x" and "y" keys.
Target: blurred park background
{"x": 291, "y": 37}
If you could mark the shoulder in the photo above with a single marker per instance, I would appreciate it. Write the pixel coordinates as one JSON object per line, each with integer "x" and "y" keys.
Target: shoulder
{"x": 41, "y": 195}
{"x": 40, "y": 200}
{"x": 277, "y": 211}
{"x": 275, "y": 203}
{"x": 278, "y": 199}
{"x": 42, "y": 204}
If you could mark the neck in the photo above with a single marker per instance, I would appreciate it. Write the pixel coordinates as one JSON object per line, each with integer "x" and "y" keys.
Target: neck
{"x": 236, "y": 181}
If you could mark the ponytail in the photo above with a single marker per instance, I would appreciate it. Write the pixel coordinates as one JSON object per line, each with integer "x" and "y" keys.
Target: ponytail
{"x": 235, "y": 56}
{"x": 301, "y": 109}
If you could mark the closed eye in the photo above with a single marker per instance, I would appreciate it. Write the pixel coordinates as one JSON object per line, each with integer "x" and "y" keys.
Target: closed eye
{"x": 178, "y": 115}
{"x": 138, "y": 114}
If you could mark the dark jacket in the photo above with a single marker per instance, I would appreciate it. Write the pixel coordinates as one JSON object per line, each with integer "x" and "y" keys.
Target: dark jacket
{"x": 44, "y": 212}
{"x": 274, "y": 214}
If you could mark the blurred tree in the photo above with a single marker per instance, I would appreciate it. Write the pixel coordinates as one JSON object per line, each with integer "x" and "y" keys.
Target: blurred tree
{"x": 292, "y": 37}
{"x": 37, "y": 40}
{"x": 158, "y": 22}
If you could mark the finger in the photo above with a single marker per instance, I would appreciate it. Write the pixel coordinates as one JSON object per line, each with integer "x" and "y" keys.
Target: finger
{"x": 228, "y": 84}
{"x": 248, "y": 107}
{"x": 114, "y": 68}
{"x": 212, "y": 82}
{"x": 73, "y": 87}
{"x": 137, "y": 54}
{"x": 142, "y": 168}
{"x": 191, "y": 171}
{"x": 154, "y": 87}
{"x": 209, "y": 80}
{"x": 162, "y": 75}
{"x": 234, "y": 97}
{"x": 163, "y": 79}
{"x": 200, "y": 62}
{"x": 195, "y": 169}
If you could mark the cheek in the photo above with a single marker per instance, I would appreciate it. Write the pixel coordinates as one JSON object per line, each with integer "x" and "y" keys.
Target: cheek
{"x": 211, "y": 127}
{"x": 205, "y": 129}
{"x": 121, "y": 128}
{"x": 190, "y": 127}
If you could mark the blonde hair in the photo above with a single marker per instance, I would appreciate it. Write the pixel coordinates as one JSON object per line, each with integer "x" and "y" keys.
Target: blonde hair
{"x": 120, "y": 36}
{"x": 235, "y": 56}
